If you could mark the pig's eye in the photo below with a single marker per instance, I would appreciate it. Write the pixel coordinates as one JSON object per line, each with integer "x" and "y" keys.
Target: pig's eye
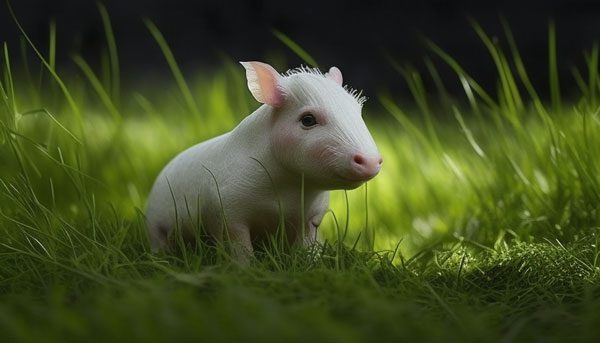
{"x": 308, "y": 120}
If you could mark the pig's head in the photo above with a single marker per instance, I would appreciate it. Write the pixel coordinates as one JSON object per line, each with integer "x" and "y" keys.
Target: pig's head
{"x": 317, "y": 128}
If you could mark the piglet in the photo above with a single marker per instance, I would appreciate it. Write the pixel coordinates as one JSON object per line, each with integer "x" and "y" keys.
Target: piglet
{"x": 306, "y": 139}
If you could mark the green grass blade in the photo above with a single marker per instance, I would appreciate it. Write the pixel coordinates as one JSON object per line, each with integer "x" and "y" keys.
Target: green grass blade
{"x": 33, "y": 87}
{"x": 97, "y": 85}
{"x": 468, "y": 133}
{"x": 53, "y": 118}
{"x": 470, "y": 96}
{"x": 297, "y": 49}
{"x": 580, "y": 82}
{"x": 553, "y": 69}
{"x": 522, "y": 71}
{"x": 58, "y": 80}
{"x": 52, "y": 45}
{"x": 405, "y": 121}
{"x": 487, "y": 99}
{"x": 509, "y": 90}
{"x": 592, "y": 60}
{"x": 115, "y": 84}
{"x": 175, "y": 70}
{"x": 437, "y": 80}
{"x": 10, "y": 90}
{"x": 417, "y": 88}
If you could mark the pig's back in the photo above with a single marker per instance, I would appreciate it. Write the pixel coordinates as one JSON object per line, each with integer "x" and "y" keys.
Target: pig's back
{"x": 184, "y": 181}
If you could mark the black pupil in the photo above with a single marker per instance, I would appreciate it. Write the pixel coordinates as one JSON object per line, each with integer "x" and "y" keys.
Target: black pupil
{"x": 309, "y": 120}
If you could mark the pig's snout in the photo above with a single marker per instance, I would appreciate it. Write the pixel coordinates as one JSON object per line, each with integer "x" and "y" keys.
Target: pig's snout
{"x": 365, "y": 167}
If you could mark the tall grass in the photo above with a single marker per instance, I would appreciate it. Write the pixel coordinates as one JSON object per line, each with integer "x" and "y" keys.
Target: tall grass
{"x": 486, "y": 204}
{"x": 525, "y": 157}
{"x": 515, "y": 153}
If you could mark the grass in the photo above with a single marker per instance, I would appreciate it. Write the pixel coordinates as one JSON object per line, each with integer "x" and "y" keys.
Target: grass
{"x": 483, "y": 225}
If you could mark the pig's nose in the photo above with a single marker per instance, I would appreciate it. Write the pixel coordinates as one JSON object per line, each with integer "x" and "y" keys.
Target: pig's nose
{"x": 366, "y": 166}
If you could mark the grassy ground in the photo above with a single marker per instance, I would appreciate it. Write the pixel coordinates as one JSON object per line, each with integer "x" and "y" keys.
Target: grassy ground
{"x": 483, "y": 224}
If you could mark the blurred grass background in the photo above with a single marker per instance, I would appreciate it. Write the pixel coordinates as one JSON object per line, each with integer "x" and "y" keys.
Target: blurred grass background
{"x": 483, "y": 222}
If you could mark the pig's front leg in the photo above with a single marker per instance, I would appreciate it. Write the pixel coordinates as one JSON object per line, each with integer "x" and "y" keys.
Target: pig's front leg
{"x": 241, "y": 244}
{"x": 310, "y": 235}
{"x": 317, "y": 212}
{"x": 309, "y": 241}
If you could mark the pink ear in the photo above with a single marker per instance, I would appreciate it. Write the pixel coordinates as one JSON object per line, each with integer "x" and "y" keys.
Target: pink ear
{"x": 264, "y": 83}
{"x": 335, "y": 74}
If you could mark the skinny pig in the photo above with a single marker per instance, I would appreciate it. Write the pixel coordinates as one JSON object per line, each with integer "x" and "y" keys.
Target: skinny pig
{"x": 309, "y": 132}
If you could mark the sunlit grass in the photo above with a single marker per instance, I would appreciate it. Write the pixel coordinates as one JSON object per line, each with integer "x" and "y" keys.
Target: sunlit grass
{"x": 484, "y": 216}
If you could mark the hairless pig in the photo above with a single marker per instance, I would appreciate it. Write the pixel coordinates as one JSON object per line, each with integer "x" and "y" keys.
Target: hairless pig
{"x": 306, "y": 139}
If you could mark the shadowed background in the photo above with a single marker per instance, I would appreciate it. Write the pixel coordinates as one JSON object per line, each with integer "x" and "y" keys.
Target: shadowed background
{"x": 353, "y": 36}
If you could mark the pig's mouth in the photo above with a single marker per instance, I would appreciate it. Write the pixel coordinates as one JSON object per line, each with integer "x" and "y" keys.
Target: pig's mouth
{"x": 345, "y": 179}
{"x": 349, "y": 184}
{"x": 356, "y": 177}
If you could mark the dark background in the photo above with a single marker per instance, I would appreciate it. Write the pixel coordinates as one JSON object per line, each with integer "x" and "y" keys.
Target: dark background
{"x": 352, "y": 36}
